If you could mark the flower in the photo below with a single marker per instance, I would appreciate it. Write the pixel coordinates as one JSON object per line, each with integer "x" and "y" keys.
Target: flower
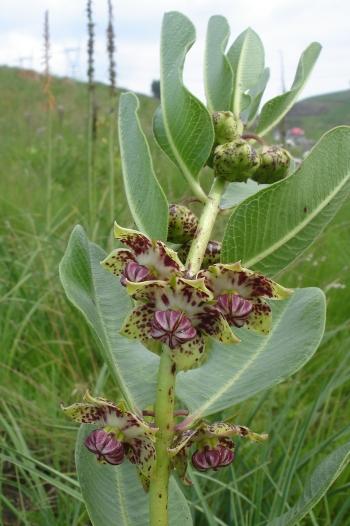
{"x": 240, "y": 295}
{"x": 214, "y": 447}
{"x": 143, "y": 260}
{"x": 119, "y": 433}
{"x": 179, "y": 313}
{"x": 105, "y": 447}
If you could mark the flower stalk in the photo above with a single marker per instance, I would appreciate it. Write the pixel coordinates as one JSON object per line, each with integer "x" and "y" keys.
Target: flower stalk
{"x": 205, "y": 227}
{"x": 164, "y": 409}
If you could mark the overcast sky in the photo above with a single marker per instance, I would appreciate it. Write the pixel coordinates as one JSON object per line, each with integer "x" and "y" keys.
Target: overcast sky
{"x": 285, "y": 27}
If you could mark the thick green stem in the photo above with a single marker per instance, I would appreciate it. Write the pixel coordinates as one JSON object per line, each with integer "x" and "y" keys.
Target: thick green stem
{"x": 205, "y": 227}
{"x": 164, "y": 411}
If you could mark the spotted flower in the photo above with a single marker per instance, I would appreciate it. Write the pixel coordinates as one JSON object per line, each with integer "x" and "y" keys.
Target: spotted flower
{"x": 241, "y": 294}
{"x": 143, "y": 260}
{"x": 120, "y": 433}
{"x": 178, "y": 313}
{"x": 213, "y": 446}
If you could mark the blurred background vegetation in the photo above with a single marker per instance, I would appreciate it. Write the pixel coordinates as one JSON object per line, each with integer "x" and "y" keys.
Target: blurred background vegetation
{"x": 48, "y": 354}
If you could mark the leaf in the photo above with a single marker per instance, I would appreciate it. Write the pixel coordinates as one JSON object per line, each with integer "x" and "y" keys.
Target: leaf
{"x": 114, "y": 495}
{"x": 247, "y": 58}
{"x": 234, "y": 373}
{"x": 161, "y": 136}
{"x": 98, "y": 295}
{"x": 275, "y": 109}
{"x": 187, "y": 123}
{"x": 255, "y": 94}
{"x": 218, "y": 74}
{"x": 272, "y": 228}
{"x": 235, "y": 193}
{"x": 146, "y": 199}
{"x": 317, "y": 485}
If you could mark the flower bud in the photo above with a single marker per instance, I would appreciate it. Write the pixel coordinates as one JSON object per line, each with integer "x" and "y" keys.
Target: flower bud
{"x": 211, "y": 255}
{"x": 212, "y": 458}
{"x": 182, "y": 224}
{"x": 274, "y": 164}
{"x": 105, "y": 447}
{"x": 226, "y": 127}
{"x": 235, "y": 161}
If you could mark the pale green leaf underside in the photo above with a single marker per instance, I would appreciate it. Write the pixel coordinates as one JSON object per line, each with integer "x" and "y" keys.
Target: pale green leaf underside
{"x": 104, "y": 303}
{"x": 255, "y": 94}
{"x": 146, "y": 199}
{"x": 316, "y": 486}
{"x": 187, "y": 123}
{"x": 113, "y": 495}
{"x": 237, "y": 372}
{"x": 247, "y": 57}
{"x": 218, "y": 77}
{"x": 270, "y": 229}
{"x": 275, "y": 109}
{"x": 235, "y": 193}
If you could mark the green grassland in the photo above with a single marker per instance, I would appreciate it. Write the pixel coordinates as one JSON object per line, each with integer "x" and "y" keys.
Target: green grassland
{"x": 48, "y": 354}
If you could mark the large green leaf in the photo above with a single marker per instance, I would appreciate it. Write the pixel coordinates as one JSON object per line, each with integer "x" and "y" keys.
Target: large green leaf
{"x": 187, "y": 123}
{"x": 236, "y": 372}
{"x": 161, "y": 136}
{"x": 317, "y": 485}
{"x": 114, "y": 495}
{"x": 218, "y": 76}
{"x": 104, "y": 303}
{"x": 275, "y": 109}
{"x": 270, "y": 229}
{"x": 146, "y": 199}
{"x": 247, "y": 58}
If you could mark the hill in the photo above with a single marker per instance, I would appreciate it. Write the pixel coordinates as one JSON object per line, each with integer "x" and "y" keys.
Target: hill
{"x": 318, "y": 114}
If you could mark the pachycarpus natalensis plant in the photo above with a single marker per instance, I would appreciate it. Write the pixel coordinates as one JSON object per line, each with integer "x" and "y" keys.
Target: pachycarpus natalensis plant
{"x": 208, "y": 312}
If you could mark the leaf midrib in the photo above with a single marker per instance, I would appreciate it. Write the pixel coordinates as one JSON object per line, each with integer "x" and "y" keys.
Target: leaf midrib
{"x": 283, "y": 240}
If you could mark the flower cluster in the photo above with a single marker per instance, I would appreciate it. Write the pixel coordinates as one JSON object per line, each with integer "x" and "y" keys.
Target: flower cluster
{"x": 180, "y": 312}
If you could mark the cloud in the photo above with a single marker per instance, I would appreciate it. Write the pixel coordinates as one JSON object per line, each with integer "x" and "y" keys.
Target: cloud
{"x": 285, "y": 26}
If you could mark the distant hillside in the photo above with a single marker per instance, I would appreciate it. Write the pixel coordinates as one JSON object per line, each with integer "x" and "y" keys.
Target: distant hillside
{"x": 318, "y": 114}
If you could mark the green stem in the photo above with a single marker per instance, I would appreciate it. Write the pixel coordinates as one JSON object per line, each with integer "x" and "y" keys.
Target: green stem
{"x": 205, "y": 227}
{"x": 164, "y": 409}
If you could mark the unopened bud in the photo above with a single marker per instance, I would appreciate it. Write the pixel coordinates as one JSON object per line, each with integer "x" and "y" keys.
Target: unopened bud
{"x": 226, "y": 127}
{"x": 274, "y": 164}
{"x": 182, "y": 224}
{"x": 235, "y": 161}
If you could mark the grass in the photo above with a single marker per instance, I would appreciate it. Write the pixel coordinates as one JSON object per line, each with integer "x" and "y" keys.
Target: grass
{"x": 48, "y": 354}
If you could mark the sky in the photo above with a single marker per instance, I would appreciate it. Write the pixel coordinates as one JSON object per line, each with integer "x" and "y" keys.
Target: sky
{"x": 286, "y": 27}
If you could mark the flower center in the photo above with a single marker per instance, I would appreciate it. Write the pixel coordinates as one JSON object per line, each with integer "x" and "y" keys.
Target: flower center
{"x": 135, "y": 273}
{"x": 105, "y": 447}
{"x": 235, "y": 308}
{"x": 172, "y": 327}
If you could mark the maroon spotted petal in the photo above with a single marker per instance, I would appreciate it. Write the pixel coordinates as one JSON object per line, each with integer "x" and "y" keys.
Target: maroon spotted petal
{"x": 105, "y": 447}
{"x": 235, "y": 308}
{"x": 172, "y": 327}
{"x": 135, "y": 273}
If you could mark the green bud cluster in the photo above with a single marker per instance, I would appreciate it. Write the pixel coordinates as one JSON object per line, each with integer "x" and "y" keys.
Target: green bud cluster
{"x": 235, "y": 159}
{"x": 182, "y": 224}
